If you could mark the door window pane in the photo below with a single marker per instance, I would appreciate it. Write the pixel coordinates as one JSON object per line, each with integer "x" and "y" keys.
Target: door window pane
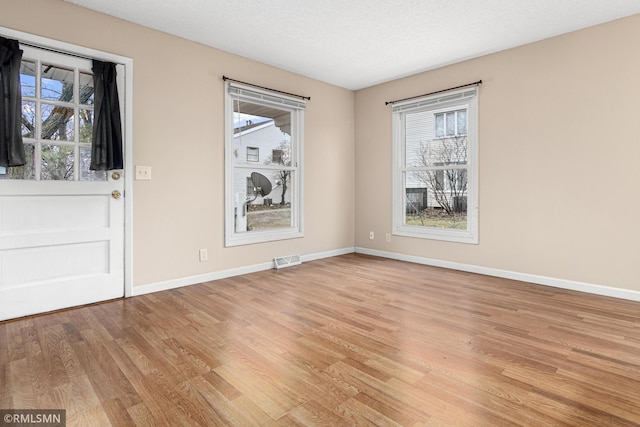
{"x": 87, "y": 174}
{"x": 26, "y": 171}
{"x": 86, "y": 89}
{"x": 28, "y": 119}
{"x": 85, "y": 118}
{"x": 57, "y": 123}
{"x": 57, "y": 83}
{"x": 28, "y": 78}
{"x": 57, "y": 162}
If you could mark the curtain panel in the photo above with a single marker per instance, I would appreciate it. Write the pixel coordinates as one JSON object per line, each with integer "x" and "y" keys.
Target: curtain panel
{"x": 11, "y": 146}
{"x": 106, "y": 147}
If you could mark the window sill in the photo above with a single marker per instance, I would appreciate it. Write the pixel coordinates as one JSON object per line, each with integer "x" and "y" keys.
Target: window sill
{"x": 252, "y": 237}
{"x": 449, "y": 235}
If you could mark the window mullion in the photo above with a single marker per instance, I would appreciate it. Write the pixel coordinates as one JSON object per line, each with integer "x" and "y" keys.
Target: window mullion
{"x": 37, "y": 149}
{"x": 76, "y": 125}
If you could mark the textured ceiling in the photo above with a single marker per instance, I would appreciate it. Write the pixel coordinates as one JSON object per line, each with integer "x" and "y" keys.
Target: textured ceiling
{"x": 359, "y": 43}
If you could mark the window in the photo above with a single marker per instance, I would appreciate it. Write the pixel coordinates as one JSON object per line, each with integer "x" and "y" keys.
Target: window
{"x": 451, "y": 123}
{"x": 262, "y": 196}
{"x": 435, "y": 188}
{"x": 57, "y": 118}
{"x": 253, "y": 154}
{"x": 277, "y": 157}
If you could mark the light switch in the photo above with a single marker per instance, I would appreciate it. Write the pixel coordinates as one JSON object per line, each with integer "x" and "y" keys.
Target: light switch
{"x": 143, "y": 173}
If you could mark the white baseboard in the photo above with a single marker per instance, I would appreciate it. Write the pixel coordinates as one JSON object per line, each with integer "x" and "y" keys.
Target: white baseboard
{"x": 327, "y": 254}
{"x": 193, "y": 280}
{"x": 523, "y": 277}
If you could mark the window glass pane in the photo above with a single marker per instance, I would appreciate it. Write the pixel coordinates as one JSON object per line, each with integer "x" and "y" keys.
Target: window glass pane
{"x": 86, "y": 88}
{"x": 440, "y": 125}
{"x": 57, "y": 83}
{"x": 85, "y": 162}
{"x": 28, "y": 119}
{"x": 21, "y": 172}
{"x": 57, "y": 122}
{"x": 263, "y": 128}
{"x": 451, "y": 123}
{"x": 57, "y": 162}
{"x": 435, "y": 152}
{"x": 462, "y": 122}
{"x": 262, "y": 211}
{"x": 28, "y": 78}
{"x": 85, "y": 118}
{"x": 436, "y": 198}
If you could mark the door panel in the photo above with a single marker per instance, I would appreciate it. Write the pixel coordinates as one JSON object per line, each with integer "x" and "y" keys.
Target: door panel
{"x": 61, "y": 245}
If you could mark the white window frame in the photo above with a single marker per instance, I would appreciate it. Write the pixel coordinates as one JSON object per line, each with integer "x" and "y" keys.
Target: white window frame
{"x": 297, "y": 108}
{"x": 450, "y": 101}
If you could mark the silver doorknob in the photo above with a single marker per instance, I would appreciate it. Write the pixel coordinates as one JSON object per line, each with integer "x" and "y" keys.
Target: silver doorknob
{"x": 116, "y": 194}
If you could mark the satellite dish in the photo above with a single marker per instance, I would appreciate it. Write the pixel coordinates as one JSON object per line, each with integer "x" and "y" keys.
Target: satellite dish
{"x": 261, "y": 184}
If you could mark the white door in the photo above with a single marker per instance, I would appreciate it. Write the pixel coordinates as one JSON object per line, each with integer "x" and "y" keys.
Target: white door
{"x": 61, "y": 225}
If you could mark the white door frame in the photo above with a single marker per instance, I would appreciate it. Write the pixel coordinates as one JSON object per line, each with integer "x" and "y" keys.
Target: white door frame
{"x": 127, "y": 117}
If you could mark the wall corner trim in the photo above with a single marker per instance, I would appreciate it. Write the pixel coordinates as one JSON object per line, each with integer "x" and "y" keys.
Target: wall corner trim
{"x": 505, "y": 274}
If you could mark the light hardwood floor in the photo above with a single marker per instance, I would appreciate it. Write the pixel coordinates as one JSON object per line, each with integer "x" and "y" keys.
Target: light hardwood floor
{"x": 350, "y": 340}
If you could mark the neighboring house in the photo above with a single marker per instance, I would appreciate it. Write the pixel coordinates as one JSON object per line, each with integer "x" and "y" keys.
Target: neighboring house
{"x": 435, "y": 139}
{"x": 259, "y": 143}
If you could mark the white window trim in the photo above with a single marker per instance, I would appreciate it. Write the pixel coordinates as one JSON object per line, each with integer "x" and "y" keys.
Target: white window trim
{"x": 297, "y": 108}
{"x": 435, "y": 104}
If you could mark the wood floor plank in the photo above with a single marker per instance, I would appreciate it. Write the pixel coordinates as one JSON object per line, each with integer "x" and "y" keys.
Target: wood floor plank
{"x": 352, "y": 340}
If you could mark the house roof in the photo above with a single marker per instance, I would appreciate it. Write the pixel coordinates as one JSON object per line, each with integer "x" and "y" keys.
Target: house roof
{"x": 250, "y": 125}
{"x": 359, "y": 43}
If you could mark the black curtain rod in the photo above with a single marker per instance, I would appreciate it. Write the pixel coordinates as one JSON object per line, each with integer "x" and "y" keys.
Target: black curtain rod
{"x": 48, "y": 49}
{"x": 479, "y": 82}
{"x": 225, "y": 78}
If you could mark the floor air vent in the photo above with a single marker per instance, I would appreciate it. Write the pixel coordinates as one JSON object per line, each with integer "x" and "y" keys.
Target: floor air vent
{"x": 287, "y": 261}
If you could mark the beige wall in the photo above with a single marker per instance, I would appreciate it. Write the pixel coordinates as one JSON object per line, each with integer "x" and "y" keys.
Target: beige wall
{"x": 559, "y": 152}
{"x": 178, "y": 130}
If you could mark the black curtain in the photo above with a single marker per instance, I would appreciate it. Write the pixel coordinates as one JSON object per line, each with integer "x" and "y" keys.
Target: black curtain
{"x": 11, "y": 147}
{"x": 106, "y": 147}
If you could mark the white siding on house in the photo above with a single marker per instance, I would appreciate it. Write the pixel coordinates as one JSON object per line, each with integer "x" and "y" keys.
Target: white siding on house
{"x": 419, "y": 130}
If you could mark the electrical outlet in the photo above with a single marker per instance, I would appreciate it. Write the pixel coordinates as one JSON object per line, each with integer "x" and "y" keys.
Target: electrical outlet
{"x": 204, "y": 256}
{"x": 143, "y": 173}
{"x": 388, "y": 237}
{"x": 371, "y": 235}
